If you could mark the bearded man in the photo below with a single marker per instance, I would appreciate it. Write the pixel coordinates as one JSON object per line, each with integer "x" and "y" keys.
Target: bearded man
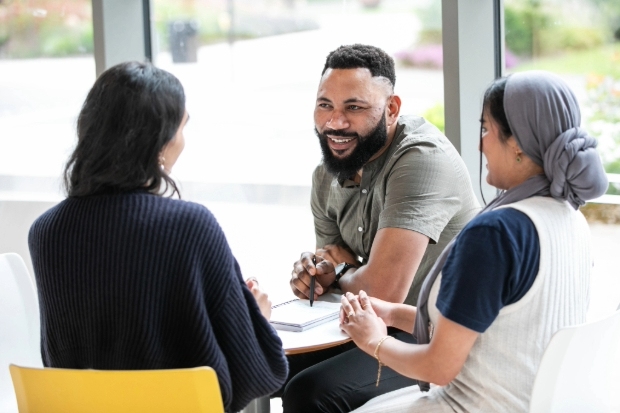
{"x": 390, "y": 194}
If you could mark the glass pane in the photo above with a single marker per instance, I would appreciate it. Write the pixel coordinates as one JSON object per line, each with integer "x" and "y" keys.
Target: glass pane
{"x": 251, "y": 69}
{"x": 47, "y": 66}
{"x": 579, "y": 40}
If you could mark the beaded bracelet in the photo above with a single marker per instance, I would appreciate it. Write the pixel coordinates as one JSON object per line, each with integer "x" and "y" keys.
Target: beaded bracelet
{"x": 377, "y": 357}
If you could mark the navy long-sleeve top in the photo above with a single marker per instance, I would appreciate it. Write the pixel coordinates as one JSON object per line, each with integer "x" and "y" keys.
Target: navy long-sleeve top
{"x": 138, "y": 281}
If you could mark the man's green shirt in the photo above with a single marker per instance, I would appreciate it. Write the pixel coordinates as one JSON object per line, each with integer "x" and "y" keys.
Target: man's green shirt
{"x": 419, "y": 183}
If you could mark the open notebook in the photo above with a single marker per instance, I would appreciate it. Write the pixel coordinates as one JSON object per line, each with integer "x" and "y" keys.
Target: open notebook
{"x": 297, "y": 315}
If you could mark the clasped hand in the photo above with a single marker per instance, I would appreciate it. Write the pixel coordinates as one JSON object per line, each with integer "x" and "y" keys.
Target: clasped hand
{"x": 363, "y": 322}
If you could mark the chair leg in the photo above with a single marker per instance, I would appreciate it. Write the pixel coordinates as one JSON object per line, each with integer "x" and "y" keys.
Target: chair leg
{"x": 260, "y": 405}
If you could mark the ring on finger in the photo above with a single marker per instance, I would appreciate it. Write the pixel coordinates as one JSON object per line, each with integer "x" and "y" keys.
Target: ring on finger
{"x": 365, "y": 305}
{"x": 351, "y": 313}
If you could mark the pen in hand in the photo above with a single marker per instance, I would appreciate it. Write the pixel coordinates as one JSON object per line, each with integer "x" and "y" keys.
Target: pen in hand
{"x": 312, "y": 284}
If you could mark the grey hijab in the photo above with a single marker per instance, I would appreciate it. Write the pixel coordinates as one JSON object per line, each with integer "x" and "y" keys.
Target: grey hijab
{"x": 544, "y": 118}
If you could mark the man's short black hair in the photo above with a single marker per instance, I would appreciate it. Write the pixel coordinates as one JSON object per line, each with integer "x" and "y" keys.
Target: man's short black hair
{"x": 362, "y": 56}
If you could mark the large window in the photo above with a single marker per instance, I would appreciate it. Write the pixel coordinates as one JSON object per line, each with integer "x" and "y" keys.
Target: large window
{"x": 251, "y": 68}
{"x": 579, "y": 40}
{"x": 47, "y": 67}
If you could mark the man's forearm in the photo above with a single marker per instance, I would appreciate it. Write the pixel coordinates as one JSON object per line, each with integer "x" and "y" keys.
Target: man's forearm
{"x": 362, "y": 278}
{"x": 392, "y": 265}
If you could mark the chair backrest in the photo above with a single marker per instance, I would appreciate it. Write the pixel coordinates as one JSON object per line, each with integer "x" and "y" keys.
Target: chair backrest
{"x": 19, "y": 324}
{"x": 194, "y": 390}
{"x": 580, "y": 370}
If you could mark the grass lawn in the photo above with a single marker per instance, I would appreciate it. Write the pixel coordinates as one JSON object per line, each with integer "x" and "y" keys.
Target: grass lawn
{"x": 604, "y": 60}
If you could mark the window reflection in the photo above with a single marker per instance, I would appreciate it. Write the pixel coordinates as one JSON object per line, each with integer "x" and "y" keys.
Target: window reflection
{"x": 43, "y": 28}
{"x": 47, "y": 68}
{"x": 580, "y": 40}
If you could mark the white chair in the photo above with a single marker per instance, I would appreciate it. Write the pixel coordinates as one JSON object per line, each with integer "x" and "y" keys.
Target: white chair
{"x": 580, "y": 370}
{"x": 19, "y": 325}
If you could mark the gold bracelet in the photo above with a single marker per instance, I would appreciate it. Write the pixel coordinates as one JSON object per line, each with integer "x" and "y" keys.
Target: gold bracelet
{"x": 377, "y": 357}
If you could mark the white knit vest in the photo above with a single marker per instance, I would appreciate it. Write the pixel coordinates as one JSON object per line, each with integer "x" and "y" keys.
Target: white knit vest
{"x": 499, "y": 372}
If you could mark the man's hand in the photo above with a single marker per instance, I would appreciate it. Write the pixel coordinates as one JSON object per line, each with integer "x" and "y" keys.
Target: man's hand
{"x": 262, "y": 299}
{"x": 305, "y": 268}
{"x": 337, "y": 254}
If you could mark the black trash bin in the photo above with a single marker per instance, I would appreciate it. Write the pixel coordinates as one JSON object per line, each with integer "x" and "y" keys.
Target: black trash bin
{"x": 182, "y": 35}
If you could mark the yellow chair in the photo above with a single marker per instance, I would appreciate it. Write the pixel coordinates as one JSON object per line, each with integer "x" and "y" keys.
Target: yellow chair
{"x": 52, "y": 390}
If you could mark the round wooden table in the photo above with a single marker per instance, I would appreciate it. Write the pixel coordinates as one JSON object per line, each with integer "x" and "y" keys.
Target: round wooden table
{"x": 323, "y": 336}
{"x": 320, "y": 337}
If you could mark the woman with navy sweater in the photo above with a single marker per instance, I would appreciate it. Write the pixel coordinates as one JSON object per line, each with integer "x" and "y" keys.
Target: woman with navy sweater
{"x": 131, "y": 279}
{"x": 516, "y": 274}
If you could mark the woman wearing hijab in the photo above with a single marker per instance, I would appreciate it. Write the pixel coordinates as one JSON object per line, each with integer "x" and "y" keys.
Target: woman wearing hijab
{"x": 129, "y": 279}
{"x": 516, "y": 274}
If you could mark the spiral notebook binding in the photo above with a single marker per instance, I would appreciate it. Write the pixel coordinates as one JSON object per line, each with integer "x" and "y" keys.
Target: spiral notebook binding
{"x": 284, "y": 303}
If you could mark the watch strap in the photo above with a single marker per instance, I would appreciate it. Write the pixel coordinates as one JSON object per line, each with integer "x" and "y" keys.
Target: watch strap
{"x": 343, "y": 271}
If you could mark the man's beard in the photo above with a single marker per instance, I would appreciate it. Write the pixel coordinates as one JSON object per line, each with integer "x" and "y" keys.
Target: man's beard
{"x": 366, "y": 147}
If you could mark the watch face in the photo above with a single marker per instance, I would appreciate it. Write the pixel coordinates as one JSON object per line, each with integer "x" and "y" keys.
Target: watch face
{"x": 340, "y": 267}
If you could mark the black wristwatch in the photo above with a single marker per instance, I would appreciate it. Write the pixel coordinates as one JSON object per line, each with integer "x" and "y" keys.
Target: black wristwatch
{"x": 341, "y": 269}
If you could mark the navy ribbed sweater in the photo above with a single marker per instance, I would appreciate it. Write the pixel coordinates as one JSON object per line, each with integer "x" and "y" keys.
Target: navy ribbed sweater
{"x": 138, "y": 281}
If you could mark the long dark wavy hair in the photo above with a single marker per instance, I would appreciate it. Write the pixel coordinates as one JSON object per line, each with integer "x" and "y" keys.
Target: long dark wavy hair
{"x": 132, "y": 111}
